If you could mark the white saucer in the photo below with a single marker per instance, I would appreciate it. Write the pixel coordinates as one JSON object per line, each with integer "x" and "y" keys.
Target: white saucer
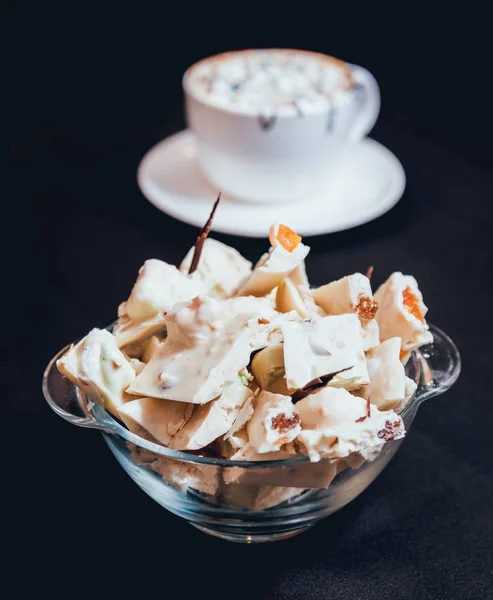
{"x": 370, "y": 182}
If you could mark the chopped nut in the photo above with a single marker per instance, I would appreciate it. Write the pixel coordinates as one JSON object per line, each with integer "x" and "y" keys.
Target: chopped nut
{"x": 390, "y": 431}
{"x": 166, "y": 381}
{"x": 283, "y": 423}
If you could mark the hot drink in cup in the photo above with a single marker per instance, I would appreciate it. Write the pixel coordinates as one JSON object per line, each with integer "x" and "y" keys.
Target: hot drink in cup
{"x": 270, "y": 124}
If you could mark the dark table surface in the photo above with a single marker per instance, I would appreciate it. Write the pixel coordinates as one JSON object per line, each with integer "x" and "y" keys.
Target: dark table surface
{"x": 424, "y": 528}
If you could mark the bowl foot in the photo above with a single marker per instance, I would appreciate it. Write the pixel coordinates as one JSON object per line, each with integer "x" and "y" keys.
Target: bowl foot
{"x": 252, "y": 538}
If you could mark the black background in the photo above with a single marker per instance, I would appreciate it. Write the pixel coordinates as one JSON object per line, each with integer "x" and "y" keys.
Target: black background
{"x": 89, "y": 88}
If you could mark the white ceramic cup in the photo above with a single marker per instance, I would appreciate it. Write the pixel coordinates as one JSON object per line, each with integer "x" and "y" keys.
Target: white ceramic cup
{"x": 285, "y": 158}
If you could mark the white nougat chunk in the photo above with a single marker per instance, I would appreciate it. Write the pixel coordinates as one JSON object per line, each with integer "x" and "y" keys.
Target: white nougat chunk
{"x": 351, "y": 294}
{"x": 288, "y": 298}
{"x": 151, "y": 347}
{"x": 301, "y": 475}
{"x": 212, "y": 420}
{"x": 401, "y": 312}
{"x": 209, "y": 342}
{"x": 347, "y": 295}
{"x": 182, "y": 475}
{"x": 195, "y": 374}
{"x": 273, "y": 328}
{"x": 335, "y": 424}
{"x": 273, "y": 495}
{"x": 99, "y": 369}
{"x": 137, "y": 365}
{"x": 129, "y": 332}
{"x": 237, "y": 440}
{"x": 387, "y": 378}
{"x": 275, "y": 422}
{"x": 370, "y": 334}
{"x": 208, "y": 318}
{"x": 161, "y": 418}
{"x": 244, "y": 415}
{"x": 158, "y": 288}
{"x": 330, "y": 407}
{"x": 221, "y": 268}
{"x": 268, "y": 369}
{"x": 299, "y": 277}
{"x": 271, "y": 269}
{"x": 353, "y": 378}
{"x": 313, "y": 309}
{"x": 320, "y": 347}
{"x": 249, "y": 453}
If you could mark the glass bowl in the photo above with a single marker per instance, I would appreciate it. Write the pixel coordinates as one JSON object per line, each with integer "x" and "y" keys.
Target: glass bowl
{"x": 250, "y": 501}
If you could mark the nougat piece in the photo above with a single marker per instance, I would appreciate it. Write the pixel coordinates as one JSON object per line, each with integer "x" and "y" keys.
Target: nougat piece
{"x": 336, "y": 424}
{"x": 161, "y": 418}
{"x": 151, "y": 347}
{"x": 99, "y": 369}
{"x": 353, "y": 378}
{"x": 221, "y": 268}
{"x": 285, "y": 255}
{"x": 209, "y": 342}
{"x": 387, "y": 377}
{"x": 132, "y": 334}
{"x": 320, "y": 347}
{"x": 401, "y": 312}
{"x": 275, "y": 422}
{"x": 289, "y": 298}
{"x": 158, "y": 288}
{"x": 268, "y": 369}
{"x": 212, "y": 420}
{"x": 299, "y": 277}
{"x": 351, "y": 294}
{"x": 136, "y": 364}
{"x": 347, "y": 295}
{"x": 270, "y": 496}
{"x": 243, "y": 416}
{"x": 181, "y": 475}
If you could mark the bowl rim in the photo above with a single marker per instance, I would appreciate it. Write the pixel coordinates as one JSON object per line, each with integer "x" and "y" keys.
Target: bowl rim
{"x": 98, "y": 418}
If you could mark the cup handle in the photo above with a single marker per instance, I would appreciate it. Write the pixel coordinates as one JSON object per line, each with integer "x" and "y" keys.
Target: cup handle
{"x": 367, "y": 102}
{"x": 440, "y": 365}
{"x": 66, "y": 400}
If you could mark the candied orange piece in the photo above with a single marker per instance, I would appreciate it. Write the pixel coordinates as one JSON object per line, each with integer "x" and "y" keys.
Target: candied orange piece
{"x": 411, "y": 302}
{"x": 287, "y": 238}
